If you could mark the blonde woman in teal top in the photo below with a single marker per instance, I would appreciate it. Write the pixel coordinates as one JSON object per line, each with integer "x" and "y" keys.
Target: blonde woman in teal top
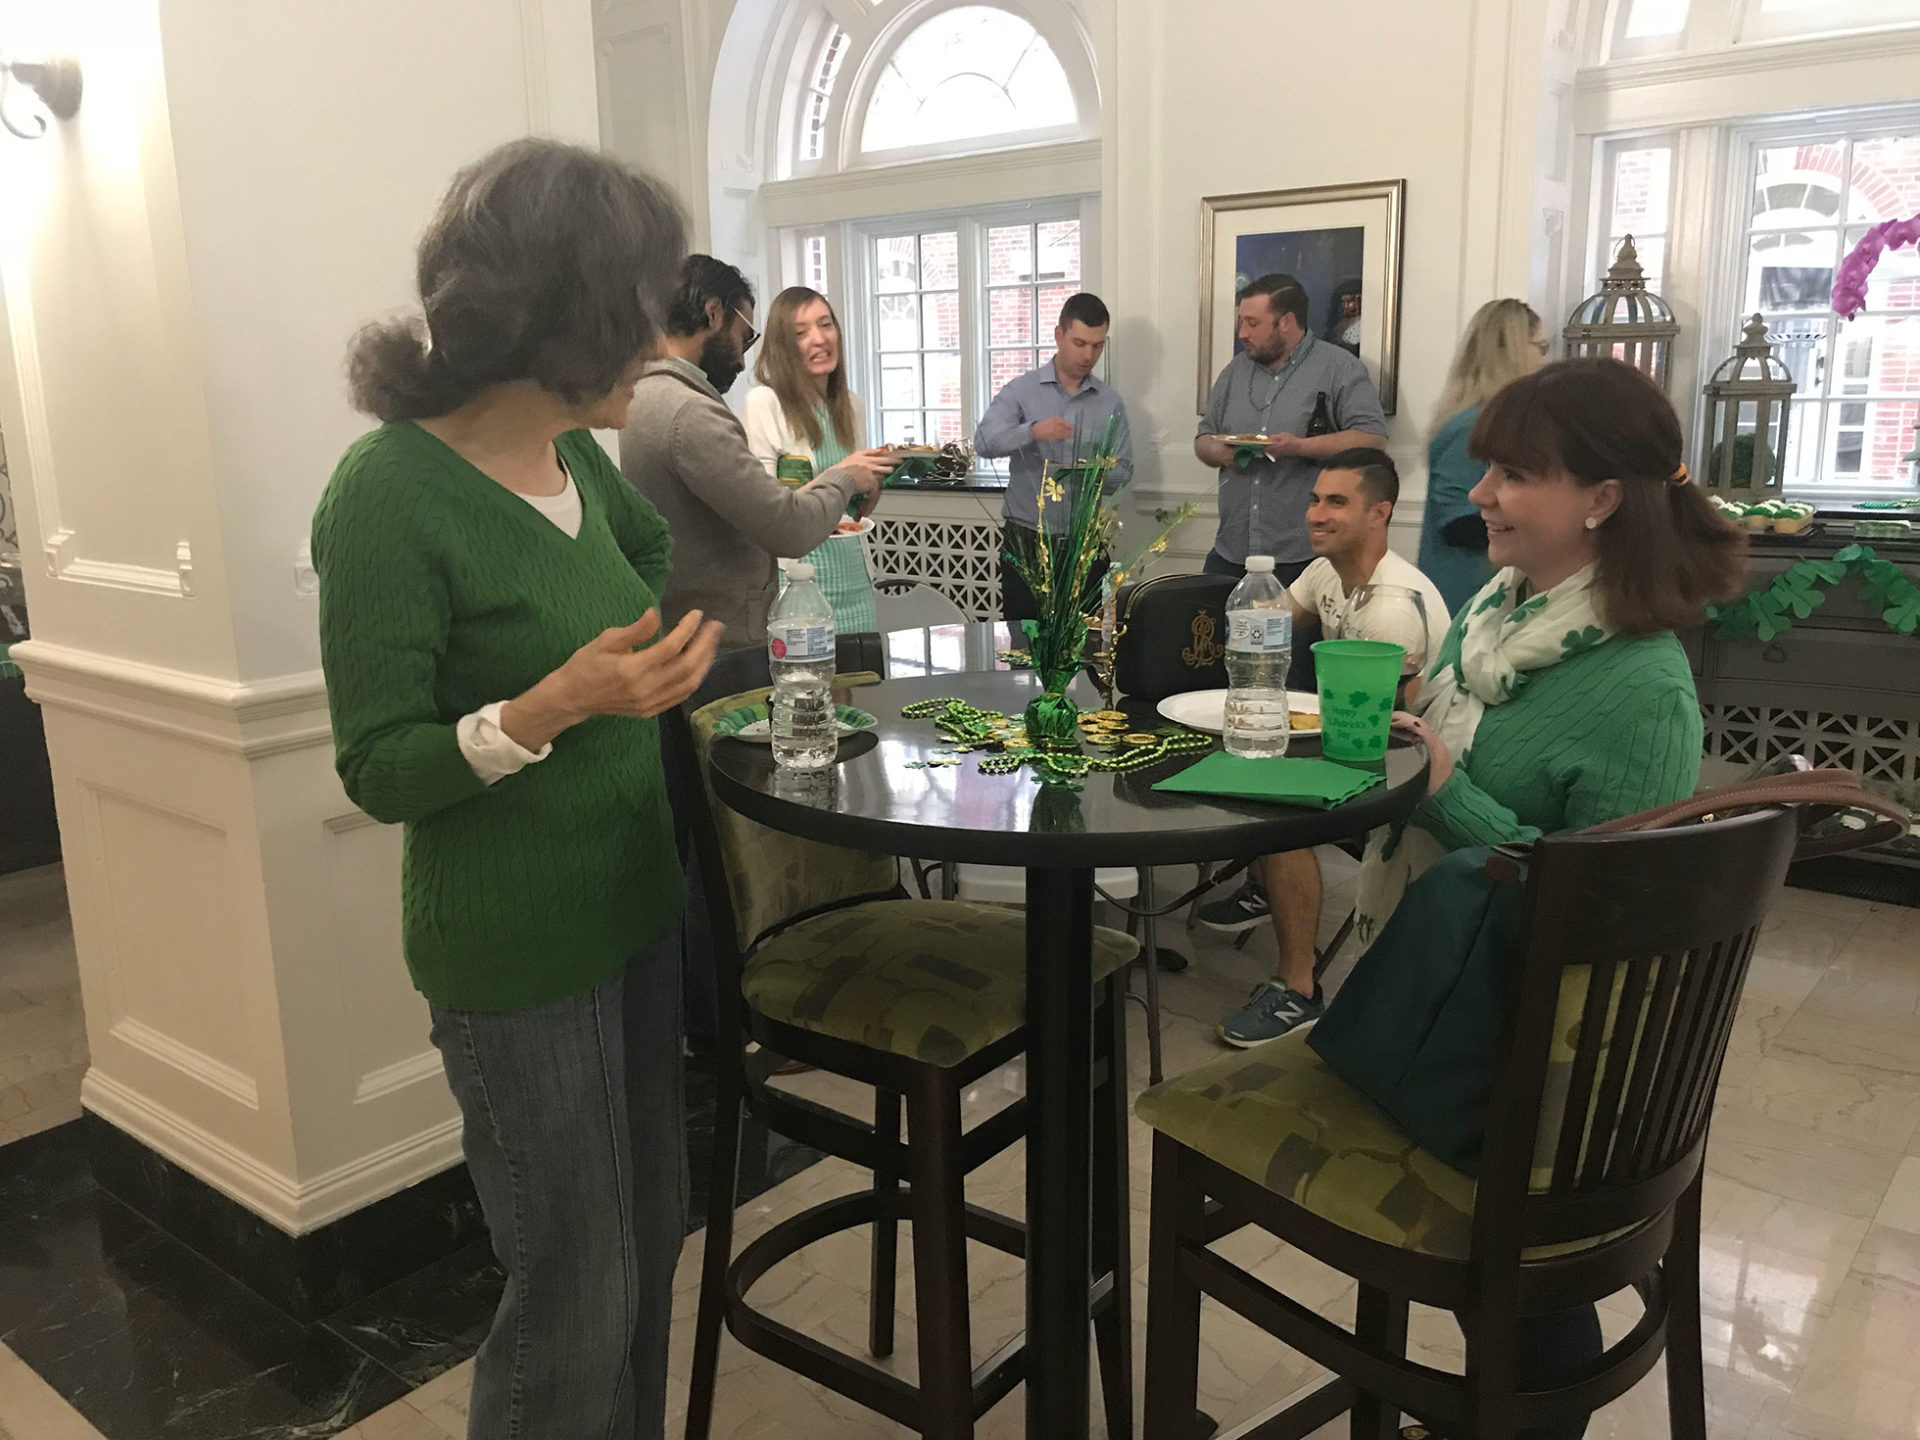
{"x": 1503, "y": 342}
{"x": 802, "y": 407}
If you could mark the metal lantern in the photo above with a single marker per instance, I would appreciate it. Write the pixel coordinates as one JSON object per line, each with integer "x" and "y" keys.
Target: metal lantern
{"x": 1625, "y": 320}
{"x": 1744, "y": 449}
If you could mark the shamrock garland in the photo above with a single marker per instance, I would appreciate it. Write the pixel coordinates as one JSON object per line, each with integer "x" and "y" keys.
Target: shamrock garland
{"x": 1800, "y": 591}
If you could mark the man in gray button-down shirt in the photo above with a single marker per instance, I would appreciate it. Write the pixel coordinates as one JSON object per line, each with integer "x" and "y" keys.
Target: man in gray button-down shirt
{"x": 1036, "y": 419}
{"x": 1271, "y": 388}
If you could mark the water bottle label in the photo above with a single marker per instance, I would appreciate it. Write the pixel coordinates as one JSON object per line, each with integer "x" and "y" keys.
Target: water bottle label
{"x": 800, "y": 642}
{"x": 1259, "y": 631}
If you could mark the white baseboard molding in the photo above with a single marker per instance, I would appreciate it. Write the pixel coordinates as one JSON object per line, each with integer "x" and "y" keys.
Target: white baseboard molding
{"x": 297, "y": 1207}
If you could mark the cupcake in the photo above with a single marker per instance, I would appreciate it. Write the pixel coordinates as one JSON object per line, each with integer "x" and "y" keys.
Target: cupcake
{"x": 1791, "y": 518}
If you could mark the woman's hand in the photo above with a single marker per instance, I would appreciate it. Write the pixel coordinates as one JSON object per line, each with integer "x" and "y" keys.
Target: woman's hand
{"x": 611, "y": 675}
{"x": 1439, "y": 758}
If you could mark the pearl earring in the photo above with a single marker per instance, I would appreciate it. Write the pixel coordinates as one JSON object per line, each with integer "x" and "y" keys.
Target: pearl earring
{"x": 1592, "y": 524}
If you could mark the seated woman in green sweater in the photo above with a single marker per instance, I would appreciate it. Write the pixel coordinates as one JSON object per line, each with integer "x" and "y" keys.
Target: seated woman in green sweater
{"x": 488, "y": 584}
{"x": 1561, "y": 697}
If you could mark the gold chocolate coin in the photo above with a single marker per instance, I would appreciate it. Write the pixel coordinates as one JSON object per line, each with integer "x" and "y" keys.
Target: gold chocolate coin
{"x": 1140, "y": 737}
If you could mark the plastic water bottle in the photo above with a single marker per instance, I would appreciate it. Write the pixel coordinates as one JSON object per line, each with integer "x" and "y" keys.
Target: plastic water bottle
{"x": 1259, "y": 650}
{"x": 800, "y": 653}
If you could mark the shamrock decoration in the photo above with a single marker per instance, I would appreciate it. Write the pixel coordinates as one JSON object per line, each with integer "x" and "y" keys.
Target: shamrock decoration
{"x": 1578, "y": 642}
{"x": 1524, "y": 613}
{"x": 1495, "y": 598}
{"x": 1799, "y": 591}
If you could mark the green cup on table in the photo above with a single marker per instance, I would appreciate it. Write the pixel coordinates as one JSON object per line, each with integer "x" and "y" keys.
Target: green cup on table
{"x": 1358, "y": 679}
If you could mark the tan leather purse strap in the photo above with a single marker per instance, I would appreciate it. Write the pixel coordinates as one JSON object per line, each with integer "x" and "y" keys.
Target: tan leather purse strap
{"x": 1823, "y": 791}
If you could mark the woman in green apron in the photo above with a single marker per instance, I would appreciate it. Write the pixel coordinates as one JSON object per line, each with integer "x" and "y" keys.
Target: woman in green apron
{"x": 802, "y": 421}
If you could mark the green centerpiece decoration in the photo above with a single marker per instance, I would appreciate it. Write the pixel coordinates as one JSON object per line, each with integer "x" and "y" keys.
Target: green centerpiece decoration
{"x": 1057, "y": 560}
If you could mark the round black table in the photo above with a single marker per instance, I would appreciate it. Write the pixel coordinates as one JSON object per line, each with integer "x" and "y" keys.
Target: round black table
{"x": 872, "y": 800}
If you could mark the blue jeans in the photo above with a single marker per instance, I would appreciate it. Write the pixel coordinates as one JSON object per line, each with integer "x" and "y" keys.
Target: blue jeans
{"x": 573, "y": 1138}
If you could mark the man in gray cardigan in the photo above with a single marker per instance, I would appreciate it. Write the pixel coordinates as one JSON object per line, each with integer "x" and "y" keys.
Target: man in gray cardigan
{"x": 687, "y": 452}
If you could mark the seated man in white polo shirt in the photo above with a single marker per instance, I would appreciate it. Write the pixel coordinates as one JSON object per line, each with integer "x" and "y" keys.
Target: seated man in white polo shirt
{"x": 1347, "y": 520}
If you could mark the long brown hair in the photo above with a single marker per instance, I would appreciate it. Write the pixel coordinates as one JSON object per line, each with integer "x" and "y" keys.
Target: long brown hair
{"x": 1665, "y": 553}
{"x": 782, "y": 371}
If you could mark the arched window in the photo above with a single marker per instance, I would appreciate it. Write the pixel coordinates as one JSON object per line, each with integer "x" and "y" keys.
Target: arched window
{"x": 967, "y": 74}
{"x": 879, "y": 82}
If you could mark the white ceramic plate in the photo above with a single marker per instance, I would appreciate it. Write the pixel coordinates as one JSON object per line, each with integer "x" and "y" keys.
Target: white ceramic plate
{"x": 1207, "y": 709}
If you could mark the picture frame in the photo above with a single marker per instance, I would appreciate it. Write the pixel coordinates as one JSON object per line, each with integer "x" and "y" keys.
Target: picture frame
{"x": 1343, "y": 243}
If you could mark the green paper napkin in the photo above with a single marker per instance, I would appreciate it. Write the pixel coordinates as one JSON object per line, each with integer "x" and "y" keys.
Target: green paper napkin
{"x": 1284, "y": 780}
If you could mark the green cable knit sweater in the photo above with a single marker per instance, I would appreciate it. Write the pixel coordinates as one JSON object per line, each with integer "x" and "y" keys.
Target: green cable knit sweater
{"x": 440, "y": 592}
{"x": 1595, "y": 737}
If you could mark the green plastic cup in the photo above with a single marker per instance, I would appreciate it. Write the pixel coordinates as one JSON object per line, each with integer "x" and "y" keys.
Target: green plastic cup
{"x": 1358, "y": 679}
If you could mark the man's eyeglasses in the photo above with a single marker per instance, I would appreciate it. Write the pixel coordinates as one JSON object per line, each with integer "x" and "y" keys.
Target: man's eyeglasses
{"x": 753, "y": 335}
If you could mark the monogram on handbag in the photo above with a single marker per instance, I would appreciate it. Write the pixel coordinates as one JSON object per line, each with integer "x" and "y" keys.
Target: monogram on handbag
{"x": 1173, "y": 635}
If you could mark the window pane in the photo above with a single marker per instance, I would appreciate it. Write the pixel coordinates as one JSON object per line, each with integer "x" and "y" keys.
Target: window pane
{"x": 1009, "y": 254}
{"x": 1800, "y": 343}
{"x": 943, "y": 427}
{"x": 1803, "y": 443}
{"x": 1005, "y": 365}
{"x": 1642, "y": 185}
{"x": 1886, "y": 438}
{"x": 1010, "y": 317}
{"x": 1047, "y": 317}
{"x": 813, "y": 263}
{"x": 966, "y": 73}
{"x": 1656, "y": 17}
{"x": 901, "y": 427}
{"x": 895, "y": 264}
{"x": 941, "y": 316}
{"x": 1885, "y": 178}
{"x": 1792, "y": 270}
{"x": 1798, "y": 185}
{"x": 940, "y": 260}
{"x": 1878, "y": 355}
{"x": 1059, "y": 246}
{"x": 899, "y": 322}
{"x": 943, "y": 379}
{"x": 900, "y": 381}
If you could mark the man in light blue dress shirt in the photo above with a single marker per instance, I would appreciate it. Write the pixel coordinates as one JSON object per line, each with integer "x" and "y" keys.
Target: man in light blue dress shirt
{"x": 1039, "y": 418}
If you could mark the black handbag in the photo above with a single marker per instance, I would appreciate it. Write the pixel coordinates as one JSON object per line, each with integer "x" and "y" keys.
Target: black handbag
{"x": 1173, "y": 635}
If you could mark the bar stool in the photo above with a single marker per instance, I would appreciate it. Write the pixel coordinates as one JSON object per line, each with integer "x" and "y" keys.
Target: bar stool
{"x": 821, "y": 960}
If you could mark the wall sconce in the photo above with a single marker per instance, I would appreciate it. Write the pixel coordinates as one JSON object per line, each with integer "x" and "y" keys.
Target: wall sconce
{"x": 57, "y": 84}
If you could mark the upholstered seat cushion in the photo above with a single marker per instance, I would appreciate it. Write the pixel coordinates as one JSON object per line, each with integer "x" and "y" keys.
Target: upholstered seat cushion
{"x": 933, "y": 980}
{"x": 1277, "y": 1115}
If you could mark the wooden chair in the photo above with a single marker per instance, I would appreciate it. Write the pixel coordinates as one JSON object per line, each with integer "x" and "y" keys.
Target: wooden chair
{"x": 1631, "y": 955}
{"x": 823, "y": 960}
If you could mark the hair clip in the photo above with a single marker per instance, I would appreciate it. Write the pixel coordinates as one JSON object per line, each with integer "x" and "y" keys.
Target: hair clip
{"x": 1681, "y": 476}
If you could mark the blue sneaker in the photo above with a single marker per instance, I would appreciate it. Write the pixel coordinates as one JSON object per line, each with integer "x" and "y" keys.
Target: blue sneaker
{"x": 1272, "y": 1010}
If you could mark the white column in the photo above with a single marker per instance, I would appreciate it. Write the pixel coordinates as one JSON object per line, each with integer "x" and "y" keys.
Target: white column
{"x": 181, "y": 267}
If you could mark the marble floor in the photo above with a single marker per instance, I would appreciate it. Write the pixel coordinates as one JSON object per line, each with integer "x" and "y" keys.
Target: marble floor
{"x": 43, "y": 1039}
{"x": 1811, "y": 1253}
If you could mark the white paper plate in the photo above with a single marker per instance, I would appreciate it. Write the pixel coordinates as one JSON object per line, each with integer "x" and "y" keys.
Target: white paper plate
{"x": 866, "y": 528}
{"x": 1207, "y": 709}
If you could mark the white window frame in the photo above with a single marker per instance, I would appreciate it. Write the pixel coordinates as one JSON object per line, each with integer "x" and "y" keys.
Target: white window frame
{"x": 1726, "y": 292}
{"x": 856, "y": 302}
{"x": 1600, "y": 216}
{"x": 1834, "y": 17}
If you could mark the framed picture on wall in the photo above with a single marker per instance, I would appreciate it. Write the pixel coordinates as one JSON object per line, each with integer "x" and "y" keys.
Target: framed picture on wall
{"x": 1341, "y": 242}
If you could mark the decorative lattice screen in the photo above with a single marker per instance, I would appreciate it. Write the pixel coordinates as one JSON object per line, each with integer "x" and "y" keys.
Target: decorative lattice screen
{"x": 959, "y": 558}
{"x": 1886, "y": 751}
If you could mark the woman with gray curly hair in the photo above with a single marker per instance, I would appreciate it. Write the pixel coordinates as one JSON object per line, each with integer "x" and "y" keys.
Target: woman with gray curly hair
{"x": 494, "y": 661}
